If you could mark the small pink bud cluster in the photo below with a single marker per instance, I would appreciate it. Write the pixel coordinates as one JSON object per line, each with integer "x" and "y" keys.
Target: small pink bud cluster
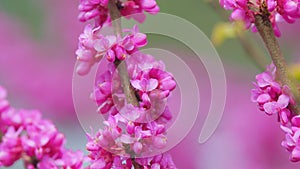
{"x": 25, "y": 135}
{"x": 93, "y": 46}
{"x": 273, "y": 98}
{"x": 98, "y": 10}
{"x": 277, "y": 10}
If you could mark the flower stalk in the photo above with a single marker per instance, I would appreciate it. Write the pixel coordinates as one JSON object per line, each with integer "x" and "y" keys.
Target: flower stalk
{"x": 121, "y": 65}
{"x": 265, "y": 29}
{"x": 29, "y": 160}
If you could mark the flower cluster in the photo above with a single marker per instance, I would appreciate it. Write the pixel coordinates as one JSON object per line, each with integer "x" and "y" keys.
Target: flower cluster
{"x": 102, "y": 159}
{"x": 159, "y": 161}
{"x": 144, "y": 127}
{"x": 98, "y": 10}
{"x": 292, "y": 138}
{"x": 148, "y": 77}
{"x": 93, "y": 46}
{"x": 132, "y": 133}
{"x": 277, "y": 10}
{"x": 273, "y": 98}
{"x": 114, "y": 146}
{"x": 25, "y": 135}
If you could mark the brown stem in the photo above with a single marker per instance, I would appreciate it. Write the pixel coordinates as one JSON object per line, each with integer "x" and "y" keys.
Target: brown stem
{"x": 29, "y": 160}
{"x": 265, "y": 29}
{"x": 254, "y": 53}
{"x": 115, "y": 17}
{"x": 121, "y": 65}
{"x": 135, "y": 164}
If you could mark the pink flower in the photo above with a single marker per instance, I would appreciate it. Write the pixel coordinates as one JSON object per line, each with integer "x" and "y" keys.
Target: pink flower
{"x": 11, "y": 117}
{"x": 113, "y": 47}
{"x": 272, "y": 98}
{"x": 266, "y": 79}
{"x": 135, "y": 39}
{"x": 135, "y": 8}
{"x": 279, "y": 107}
{"x": 104, "y": 46}
{"x": 25, "y": 133}
{"x": 240, "y": 11}
{"x": 46, "y": 162}
{"x": 102, "y": 94}
{"x": 68, "y": 159}
{"x": 90, "y": 9}
{"x": 93, "y": 47}
{"x": 145, "y": 85}
{"x": 71, "y": 159}
{"x": 10, "y": 147}
{"x": 86, "y": 54}
{"x": 292, "y": 139}
{"x": 100, "y": 158}
{"x": 150, "y": 79}
{"x": 42, "y": 139}
{"x": 159, "y": 161}
{"x": 98, "y": 10}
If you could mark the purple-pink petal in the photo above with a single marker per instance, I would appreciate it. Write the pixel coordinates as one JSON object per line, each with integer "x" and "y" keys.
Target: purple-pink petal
{"x": 271, "y": 108}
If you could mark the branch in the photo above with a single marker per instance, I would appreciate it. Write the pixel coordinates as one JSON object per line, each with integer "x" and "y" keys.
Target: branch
{"x": 29, "y": 160}
{"x": 265, "y": 29}
{"x": 121, "y": 65}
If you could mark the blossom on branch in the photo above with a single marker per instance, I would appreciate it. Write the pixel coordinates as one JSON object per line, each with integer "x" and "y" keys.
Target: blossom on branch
{"x": 275, "y": 10}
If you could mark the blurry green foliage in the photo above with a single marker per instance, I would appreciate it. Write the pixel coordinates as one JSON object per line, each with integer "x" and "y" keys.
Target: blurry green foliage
{"x": 30, "y": 12}
{"x": 204, "y": 17}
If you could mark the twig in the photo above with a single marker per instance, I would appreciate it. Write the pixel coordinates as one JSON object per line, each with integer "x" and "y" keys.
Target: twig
{"x": 265, "y": 29}
{"x": 121, "y": 65}
{"x": 29, "y": 160}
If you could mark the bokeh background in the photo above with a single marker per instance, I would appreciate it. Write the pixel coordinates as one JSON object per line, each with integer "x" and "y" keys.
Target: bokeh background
{"x": 37, "y": 44}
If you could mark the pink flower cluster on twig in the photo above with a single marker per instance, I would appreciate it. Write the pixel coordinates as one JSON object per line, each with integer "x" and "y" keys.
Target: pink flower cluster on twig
{"x": 26, "y": 135}
{"x": 132, "y": 132}
{"x": 273, "y": 98}
{"x": 98, "y": 10}
{"x": 93, "y": 46}
{"x": 277, "y": 11}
